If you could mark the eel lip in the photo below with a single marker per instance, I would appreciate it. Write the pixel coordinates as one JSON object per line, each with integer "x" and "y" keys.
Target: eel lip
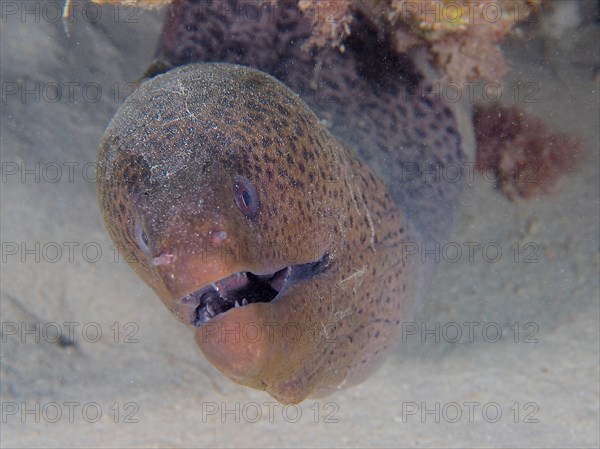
{"x": 244, "y": 288}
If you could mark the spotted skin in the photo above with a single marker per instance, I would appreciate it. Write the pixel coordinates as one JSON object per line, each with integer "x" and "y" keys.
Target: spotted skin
{"x": 173, "y": 152}
{"x": 369, "y": 97}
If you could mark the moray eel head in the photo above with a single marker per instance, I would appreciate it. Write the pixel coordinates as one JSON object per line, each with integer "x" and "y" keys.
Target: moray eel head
{"x": 215, "y": 183}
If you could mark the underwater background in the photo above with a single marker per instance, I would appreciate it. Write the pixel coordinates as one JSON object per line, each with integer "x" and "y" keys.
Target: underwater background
{"x": 503, "y": 353}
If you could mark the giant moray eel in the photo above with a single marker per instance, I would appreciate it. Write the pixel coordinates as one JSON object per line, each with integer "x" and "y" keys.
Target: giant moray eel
{"x": 276, "y": 218}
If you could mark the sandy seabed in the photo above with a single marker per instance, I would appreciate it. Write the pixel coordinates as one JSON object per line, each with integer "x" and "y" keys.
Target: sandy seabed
{"x": 125, "y": 374}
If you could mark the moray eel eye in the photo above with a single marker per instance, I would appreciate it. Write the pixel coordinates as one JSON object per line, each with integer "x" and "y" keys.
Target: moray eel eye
{"x": 245, "y": 195}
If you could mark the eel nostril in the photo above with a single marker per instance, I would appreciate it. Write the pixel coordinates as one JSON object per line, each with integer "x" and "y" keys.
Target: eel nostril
{"x": 162, "y": 259}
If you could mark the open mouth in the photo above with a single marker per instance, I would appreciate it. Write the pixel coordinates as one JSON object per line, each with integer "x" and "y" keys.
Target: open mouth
{"x": 243, "y": 288}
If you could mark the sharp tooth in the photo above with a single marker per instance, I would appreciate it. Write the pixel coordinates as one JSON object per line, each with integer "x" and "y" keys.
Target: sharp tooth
{"x": 213, "y": 285}
{"x": 210, "y": 310}
{"x": 237, "y": 304}
{"x": 202, "y": 317}
{"x": 244, "y": 302}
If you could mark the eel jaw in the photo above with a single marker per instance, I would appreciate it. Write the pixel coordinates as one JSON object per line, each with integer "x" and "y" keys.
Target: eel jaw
{"x": 244, "y": 288}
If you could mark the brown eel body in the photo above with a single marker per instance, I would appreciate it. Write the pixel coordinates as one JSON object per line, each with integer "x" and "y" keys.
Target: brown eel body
{"x": 281, "y": 236}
